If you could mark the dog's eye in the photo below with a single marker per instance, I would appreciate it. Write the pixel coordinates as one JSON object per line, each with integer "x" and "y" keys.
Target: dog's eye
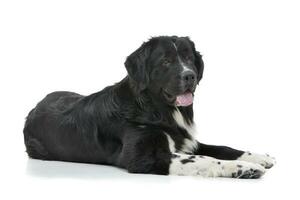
{"x": 188, "y": 57}
{"x": 166, "y": 61}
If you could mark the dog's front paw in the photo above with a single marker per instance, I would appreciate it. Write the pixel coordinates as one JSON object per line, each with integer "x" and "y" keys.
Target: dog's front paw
{"x": 244, "y": 170}
{"x": 264, "y": 160}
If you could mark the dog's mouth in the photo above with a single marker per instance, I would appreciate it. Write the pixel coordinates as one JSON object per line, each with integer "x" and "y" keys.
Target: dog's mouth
{"x": 184, "y": 99}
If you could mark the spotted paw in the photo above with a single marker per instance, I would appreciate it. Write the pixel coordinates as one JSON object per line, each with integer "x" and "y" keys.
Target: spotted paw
{"x": 248, "y": 174}
{"x": 264, "y": 160}
{"x": 243, "y": 170}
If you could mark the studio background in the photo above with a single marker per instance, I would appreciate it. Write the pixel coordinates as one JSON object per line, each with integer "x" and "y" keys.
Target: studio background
{"x": 248, "y": 98}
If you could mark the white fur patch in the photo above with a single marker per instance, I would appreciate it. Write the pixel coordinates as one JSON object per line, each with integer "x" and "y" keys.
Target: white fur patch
{"x": 189, "y": 144}
{"x": 264, "y": 160}
{"x": 187, "y": 147}
{"x": 175, "y": 46}
{"x": 191, "y": 129}
{"x": 184, "y": 66}
{"x": 171, "y": 143}
{"x": 194, "y": 165}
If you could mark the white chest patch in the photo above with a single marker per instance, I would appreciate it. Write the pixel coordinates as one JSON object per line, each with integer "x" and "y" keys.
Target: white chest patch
{"x": 191, "y": 129}
{"x": 171, "y": 143}
{"x": 189, "y": 144}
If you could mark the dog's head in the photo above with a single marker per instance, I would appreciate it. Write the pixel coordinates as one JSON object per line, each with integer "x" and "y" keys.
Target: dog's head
{"x": 168, "y": 67}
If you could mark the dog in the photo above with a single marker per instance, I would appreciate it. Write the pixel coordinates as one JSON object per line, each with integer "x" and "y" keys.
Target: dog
{"x": 144, "y": 123}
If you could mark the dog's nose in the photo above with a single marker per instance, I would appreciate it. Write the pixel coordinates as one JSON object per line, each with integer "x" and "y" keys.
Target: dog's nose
{"x": 189, "y": 77}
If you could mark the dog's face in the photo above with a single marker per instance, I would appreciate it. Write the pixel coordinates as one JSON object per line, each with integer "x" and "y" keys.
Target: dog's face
{"x": 169, "y": 67}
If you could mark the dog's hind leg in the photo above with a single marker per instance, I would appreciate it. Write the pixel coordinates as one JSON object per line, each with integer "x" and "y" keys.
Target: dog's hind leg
{"x": 35, "y": 149}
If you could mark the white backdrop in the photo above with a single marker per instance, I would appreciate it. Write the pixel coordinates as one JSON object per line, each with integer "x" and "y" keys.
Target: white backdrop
{"x": 248, "y": 99}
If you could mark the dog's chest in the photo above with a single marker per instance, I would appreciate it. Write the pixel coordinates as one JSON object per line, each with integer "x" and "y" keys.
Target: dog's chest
{"x": 185, "y": 142}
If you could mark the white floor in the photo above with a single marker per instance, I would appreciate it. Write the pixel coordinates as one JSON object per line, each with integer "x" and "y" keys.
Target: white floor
{"x": 37, "y": 179}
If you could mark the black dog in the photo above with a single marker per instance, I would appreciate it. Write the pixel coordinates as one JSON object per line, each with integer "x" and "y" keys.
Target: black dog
{"x": 144, "y": 123}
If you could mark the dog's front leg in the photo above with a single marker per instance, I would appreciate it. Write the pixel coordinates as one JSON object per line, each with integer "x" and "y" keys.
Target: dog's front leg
{"x": 196, "y": 165}
{"x": 227, "y": 153}
{"x": 148, "y": 152}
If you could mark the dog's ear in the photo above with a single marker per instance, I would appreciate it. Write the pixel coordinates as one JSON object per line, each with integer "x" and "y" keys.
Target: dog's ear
{"x": 199, "y": 65}
{"x": 198, "y": 61}
{"x": 136, "y": 66}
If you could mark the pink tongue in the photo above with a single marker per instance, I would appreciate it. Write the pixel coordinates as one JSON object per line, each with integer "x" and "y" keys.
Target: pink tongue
{"x": 185, "y": 99}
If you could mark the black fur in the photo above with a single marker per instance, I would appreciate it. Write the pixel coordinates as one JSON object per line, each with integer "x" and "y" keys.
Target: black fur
{"x": 124, "y": 124}
{"x": 184, "y": 161}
